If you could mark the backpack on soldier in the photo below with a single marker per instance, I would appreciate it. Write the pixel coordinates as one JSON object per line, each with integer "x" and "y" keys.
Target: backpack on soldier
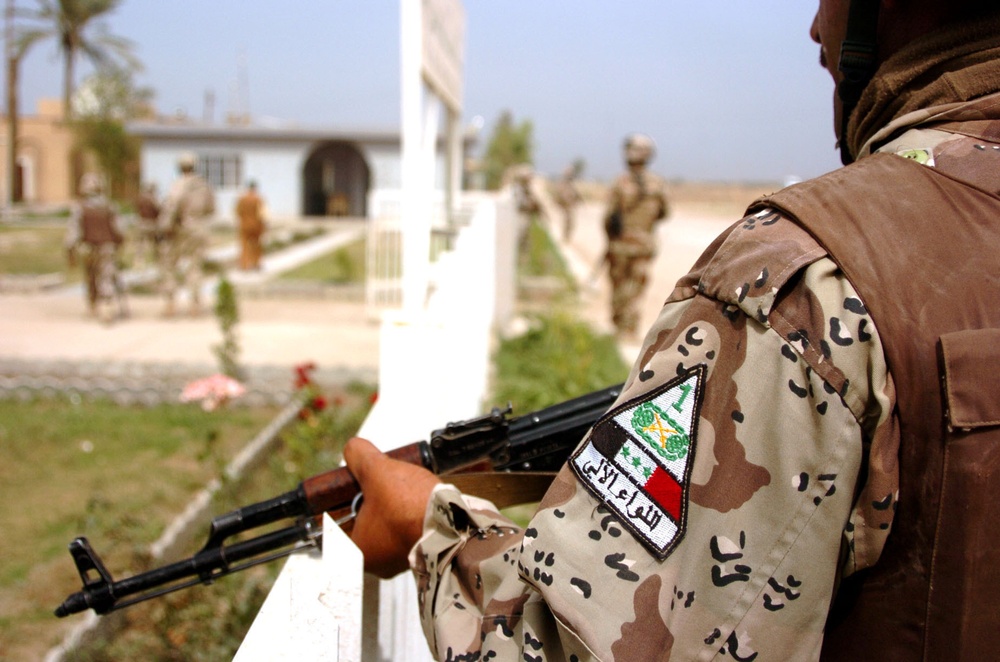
{"x": 200, "y": 199}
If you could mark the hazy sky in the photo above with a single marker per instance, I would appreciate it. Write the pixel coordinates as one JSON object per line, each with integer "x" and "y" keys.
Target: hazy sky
{"x": 729, "y": 89}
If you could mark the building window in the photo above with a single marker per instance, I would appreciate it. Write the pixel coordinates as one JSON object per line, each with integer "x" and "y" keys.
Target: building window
{"x": 221, "y": 170}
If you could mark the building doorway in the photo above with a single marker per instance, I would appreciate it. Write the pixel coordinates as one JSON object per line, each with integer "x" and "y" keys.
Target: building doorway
{"x": 335, "y": 181}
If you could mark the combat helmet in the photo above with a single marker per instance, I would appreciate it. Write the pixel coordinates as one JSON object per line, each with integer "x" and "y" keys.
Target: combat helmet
{"x": 91, "y": 184}
{"x": 639, "y": 149}
{"x": 186, "y": 161}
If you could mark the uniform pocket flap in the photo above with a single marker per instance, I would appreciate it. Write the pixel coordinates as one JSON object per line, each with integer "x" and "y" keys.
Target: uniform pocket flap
{"x": 971, "y": 366}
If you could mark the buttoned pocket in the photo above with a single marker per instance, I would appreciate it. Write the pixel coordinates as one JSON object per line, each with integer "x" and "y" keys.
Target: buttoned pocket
{"x": 971, "y": 375}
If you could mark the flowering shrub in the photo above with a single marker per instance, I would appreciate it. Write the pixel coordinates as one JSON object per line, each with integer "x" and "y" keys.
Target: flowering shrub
{"x": 325, "y": 423}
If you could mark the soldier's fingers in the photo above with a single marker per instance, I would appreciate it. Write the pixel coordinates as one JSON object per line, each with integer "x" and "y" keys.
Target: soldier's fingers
{"x": 359, "y": 455}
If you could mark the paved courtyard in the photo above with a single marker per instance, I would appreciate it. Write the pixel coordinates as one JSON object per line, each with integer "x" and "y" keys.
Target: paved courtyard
{"x": 48, "y": 332}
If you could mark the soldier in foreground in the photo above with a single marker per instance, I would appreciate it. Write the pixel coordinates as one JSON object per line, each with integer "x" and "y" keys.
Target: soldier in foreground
{"x": 638, "y": 202}
{"x": 94, "y": 237}
{"x": 802, "y": 464}
{"x": 184, "y": 222}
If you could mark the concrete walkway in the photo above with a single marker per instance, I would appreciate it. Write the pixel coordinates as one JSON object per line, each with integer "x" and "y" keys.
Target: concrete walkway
{"x": 51, "y": 328}
{"x": 49, "y": 332}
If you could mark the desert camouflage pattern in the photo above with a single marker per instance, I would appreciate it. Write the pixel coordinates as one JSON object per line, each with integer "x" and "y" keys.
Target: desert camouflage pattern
{"x": 183, "y": 222}
{"x": 641, "y": 200}
{"x": 797, "y": 399}
{"x": 770, "y": 495}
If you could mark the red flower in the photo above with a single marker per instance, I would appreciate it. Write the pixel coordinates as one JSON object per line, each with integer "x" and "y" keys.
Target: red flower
{"x": 318, "y": 403}
{"x": 302, "y": 378}
{"x": 373, "y": 398}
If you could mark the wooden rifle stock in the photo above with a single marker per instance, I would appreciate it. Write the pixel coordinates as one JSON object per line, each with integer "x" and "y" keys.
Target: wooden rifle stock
{"x": 335, "y": 491}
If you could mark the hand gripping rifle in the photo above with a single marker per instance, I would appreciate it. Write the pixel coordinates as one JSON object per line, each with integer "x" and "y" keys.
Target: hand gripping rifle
{"x": 537, "y": 442}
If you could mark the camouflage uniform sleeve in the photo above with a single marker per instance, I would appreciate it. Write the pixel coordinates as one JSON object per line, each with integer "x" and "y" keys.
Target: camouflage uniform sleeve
{"x": 749, "y": 463}
{"x": 464, "y": 567}
{"x": 664, "y": 202}
{"x": 73, "y": 231}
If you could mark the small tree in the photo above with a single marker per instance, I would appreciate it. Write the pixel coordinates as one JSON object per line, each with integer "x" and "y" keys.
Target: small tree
{"x": 228, "y": 314}
{"x": 509, "y": 145}
{"x": 102, "y": 105}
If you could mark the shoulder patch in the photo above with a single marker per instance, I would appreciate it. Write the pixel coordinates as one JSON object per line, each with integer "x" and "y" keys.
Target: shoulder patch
{"x": 638, "y": 458}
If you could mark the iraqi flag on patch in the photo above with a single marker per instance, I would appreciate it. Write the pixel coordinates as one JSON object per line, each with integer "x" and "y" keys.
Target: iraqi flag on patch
{"x": 638, "y": 459}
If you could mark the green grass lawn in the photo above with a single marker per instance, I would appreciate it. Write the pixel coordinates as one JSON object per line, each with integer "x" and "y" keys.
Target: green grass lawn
{"x": 342, "y": 266}
{"x": 540, "y": 257}
{"x": 210, "y": 622}
{"x": 115, "y": 474}
{"x": 36, "y": 249}
{"x": 119, "y": 475}
{"x": 557, "y": 359}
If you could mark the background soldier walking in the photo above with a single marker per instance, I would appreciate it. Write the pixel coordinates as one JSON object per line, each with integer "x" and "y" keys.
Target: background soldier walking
{"x": 184, "y": 222}
{"x": 149, "y": 235}
{"x": 94, "y": 237}
{"x": 638, "y": 201}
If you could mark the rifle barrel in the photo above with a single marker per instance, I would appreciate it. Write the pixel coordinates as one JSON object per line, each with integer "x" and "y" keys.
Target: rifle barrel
{"x": 107, "y": 595}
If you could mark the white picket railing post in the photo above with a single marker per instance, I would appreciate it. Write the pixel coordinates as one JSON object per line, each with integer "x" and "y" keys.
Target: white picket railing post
{"x": 314, "y": 610}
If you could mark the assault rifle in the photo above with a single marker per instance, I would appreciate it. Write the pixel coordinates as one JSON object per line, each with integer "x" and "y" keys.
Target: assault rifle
{"x": 537, "y": 442}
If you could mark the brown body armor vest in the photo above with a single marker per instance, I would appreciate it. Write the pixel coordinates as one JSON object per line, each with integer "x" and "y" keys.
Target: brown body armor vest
{"x": 97, "y": 225}
{"x": 922, "y": 248}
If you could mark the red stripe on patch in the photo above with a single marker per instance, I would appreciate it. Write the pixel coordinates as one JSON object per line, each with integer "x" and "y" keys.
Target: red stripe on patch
{"x": 666, "y": 491}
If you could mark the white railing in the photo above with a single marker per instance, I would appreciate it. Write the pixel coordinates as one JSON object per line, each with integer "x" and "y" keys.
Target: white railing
{"x": 434, "y": 368}
{"x": 384, "y": 253}
{"x": 319, "y": 596}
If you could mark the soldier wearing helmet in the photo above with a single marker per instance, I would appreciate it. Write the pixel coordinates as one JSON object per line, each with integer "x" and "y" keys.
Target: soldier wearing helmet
{"x": 803, "y": 462}
{"x": 183, "y": 221}
{"x": 639, "y": 149}
{"x": 94, "y": 237}
{"x": 637, "y": 203}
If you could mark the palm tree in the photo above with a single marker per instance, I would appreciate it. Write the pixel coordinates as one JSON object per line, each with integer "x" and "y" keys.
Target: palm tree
{"x": 71, "y": 22}
{"x": 17, "y": 45}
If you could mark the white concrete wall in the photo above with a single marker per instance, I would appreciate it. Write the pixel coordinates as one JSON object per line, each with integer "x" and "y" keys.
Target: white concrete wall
{"x": 278, "y": 172}
{"x": 383, "y": 165}
{"x": 277, "y": 167}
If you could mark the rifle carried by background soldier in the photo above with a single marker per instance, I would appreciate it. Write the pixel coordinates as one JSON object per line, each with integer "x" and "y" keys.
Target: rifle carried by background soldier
{"x": 532, "y": 446}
